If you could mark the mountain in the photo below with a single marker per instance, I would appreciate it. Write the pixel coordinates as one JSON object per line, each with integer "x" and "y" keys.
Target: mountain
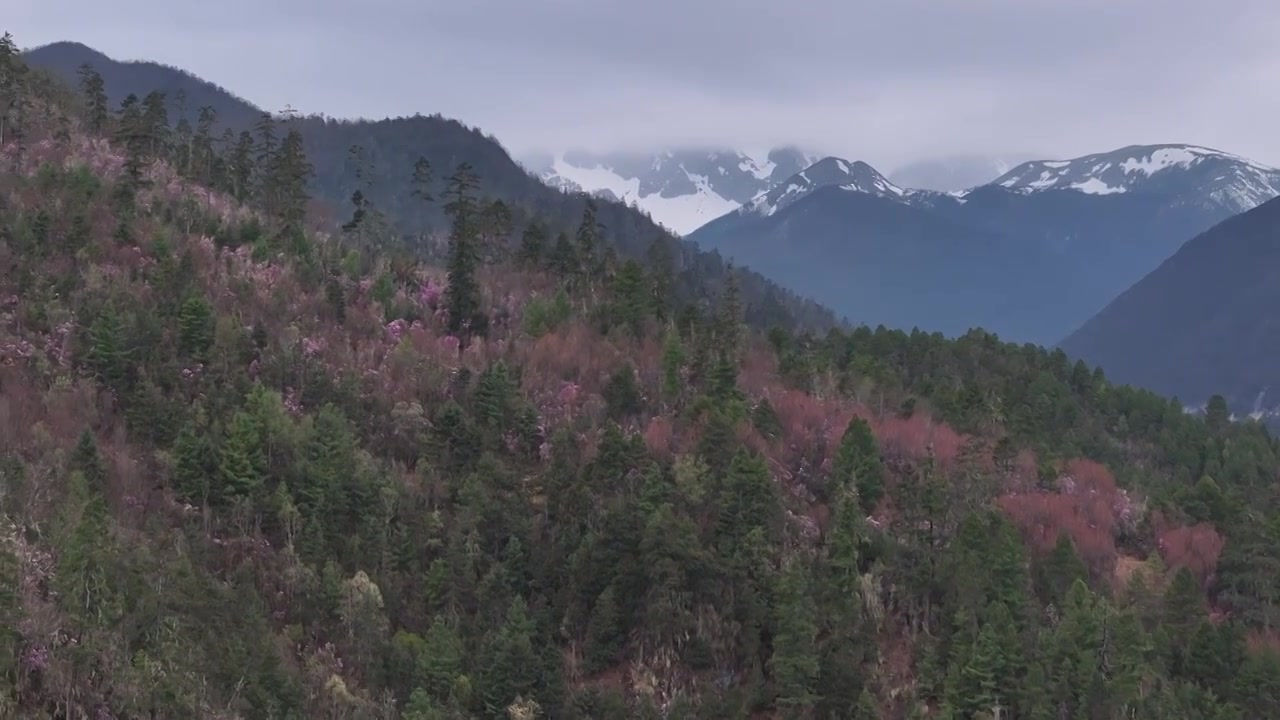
{"x": 849, "y": 237}
{"x": 955, "y": 173}
{"x": 1043, "y": 248}
{"x": 681, "y": 190}
{"x": 1203, "y": 322}
{"x": 390, "y": 148}
{"x": 1180, "y": 173}
{"x": 252, "y": 470}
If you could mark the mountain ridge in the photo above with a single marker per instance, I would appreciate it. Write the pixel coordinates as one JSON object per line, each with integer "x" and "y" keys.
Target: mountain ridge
{"x": 1200, "y": 323}
{"x": 389, "y": 149}
{"x": 682, "y": 189}
{"x": 1047, "y": 218}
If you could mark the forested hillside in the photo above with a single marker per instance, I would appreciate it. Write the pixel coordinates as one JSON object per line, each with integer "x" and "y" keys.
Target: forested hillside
{"x": 255, "y": 469}
{"x": 377, "y": 158}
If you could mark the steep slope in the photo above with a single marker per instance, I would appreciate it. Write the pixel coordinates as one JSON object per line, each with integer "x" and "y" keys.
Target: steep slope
{"x": 681, "y": 190}
{"x": 254, "y": 472}
{"x": 1203, "y": 322}
{"x": 390, "y": 149}
{"x": 1086, "y": 229}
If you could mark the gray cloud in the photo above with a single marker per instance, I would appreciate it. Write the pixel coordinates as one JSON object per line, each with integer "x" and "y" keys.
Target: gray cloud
{"x": 887, "y": 82}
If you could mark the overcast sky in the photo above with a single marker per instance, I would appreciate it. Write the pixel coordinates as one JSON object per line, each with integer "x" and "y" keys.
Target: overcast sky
{"x": 887, "y": 81}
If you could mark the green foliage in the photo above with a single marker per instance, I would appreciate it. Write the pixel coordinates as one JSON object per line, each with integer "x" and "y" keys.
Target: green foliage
{"x": 857, "y": 464}
{"x": 197, "y": 518}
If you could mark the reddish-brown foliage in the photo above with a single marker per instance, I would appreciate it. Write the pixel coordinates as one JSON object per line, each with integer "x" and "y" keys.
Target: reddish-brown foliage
{"x": 1083, "y": 511}
{"x": 914, "y": 436}
{"x": 1196, "y": 548}
{"x": 658, "y": 434}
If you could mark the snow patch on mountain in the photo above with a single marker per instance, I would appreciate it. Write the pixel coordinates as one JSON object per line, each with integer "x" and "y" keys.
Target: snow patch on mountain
{"x": 828, "y": 172}
{"x": 681, "y": 190}
{"x": 1211, "y": 175}
{"x": 681, "y": 214}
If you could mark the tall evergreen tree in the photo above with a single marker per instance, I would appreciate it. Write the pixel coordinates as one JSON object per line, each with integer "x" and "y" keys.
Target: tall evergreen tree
{"x": 466, "y": 318}
{"x": 97, "y": 112}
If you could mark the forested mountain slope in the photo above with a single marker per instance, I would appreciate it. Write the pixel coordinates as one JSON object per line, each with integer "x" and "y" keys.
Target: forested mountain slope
{"x": 1203, "y": 322}
{"x": 379, "y": 157}
{"x": 254, "y": 470}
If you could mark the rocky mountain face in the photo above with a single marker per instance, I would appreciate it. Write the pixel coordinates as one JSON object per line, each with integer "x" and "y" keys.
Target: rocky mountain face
{"x": 681, "y": 190}
{"x": 1031, "y": 256}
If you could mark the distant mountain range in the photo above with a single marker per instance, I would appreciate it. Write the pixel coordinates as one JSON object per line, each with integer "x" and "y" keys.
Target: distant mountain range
{"x": 685, "y": 189}
{"x": 1031, "y": 255}
{"x": 1202, "y": 323}
{"x": 394, "y": 144}
{"x": 681, "y": 190}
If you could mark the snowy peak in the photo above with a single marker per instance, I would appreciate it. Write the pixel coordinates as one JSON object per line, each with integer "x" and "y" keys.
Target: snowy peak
{"x": 682, "y": 190}
{"x": 1209, "y": 175}
{"x": 828, "y": 172}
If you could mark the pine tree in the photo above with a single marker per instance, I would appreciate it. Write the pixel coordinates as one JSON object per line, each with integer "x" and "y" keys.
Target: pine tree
{"x": 564, "y": 259}
{"x": 672, "y": 361}
{"x": 509, "y": 667}
{"x": 587, "y": 242}
{"x": 12, "y": 82}
{"x": 241, "y": 463}
{"x": 661, "y": 278}
{"x": 857, "y": 464}
{"x": 605, "y": 637}
{"x": 195, "y": 327}
{"x": 291, "y": 172}
{"x": 728, "y": 322}
{"x": 533, "y": 244}
{"x": 108, "y": 353}
{"x": 194, "y": 460}
{"x": 155, "y": 123}
{"x": 629, "y": 308}
{"x": 95, "y": 98}
{"x": 495, "y": 396}
{"x": 462, "y": 296}
{"x": 621, "y": 394}
{"x": 794, "y": 663}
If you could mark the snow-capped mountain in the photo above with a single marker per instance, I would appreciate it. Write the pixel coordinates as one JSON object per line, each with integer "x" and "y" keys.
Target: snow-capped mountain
{"x": 1210, "y": 176}
{"x": 956, "y": 172}
{"x": 681, "y": 190}
{"x": 830, "y": 171}
{"x": 879, "y": 252}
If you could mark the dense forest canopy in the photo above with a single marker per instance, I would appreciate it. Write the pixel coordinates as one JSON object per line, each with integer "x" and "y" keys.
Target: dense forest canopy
{"x": 256, "y": 464}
